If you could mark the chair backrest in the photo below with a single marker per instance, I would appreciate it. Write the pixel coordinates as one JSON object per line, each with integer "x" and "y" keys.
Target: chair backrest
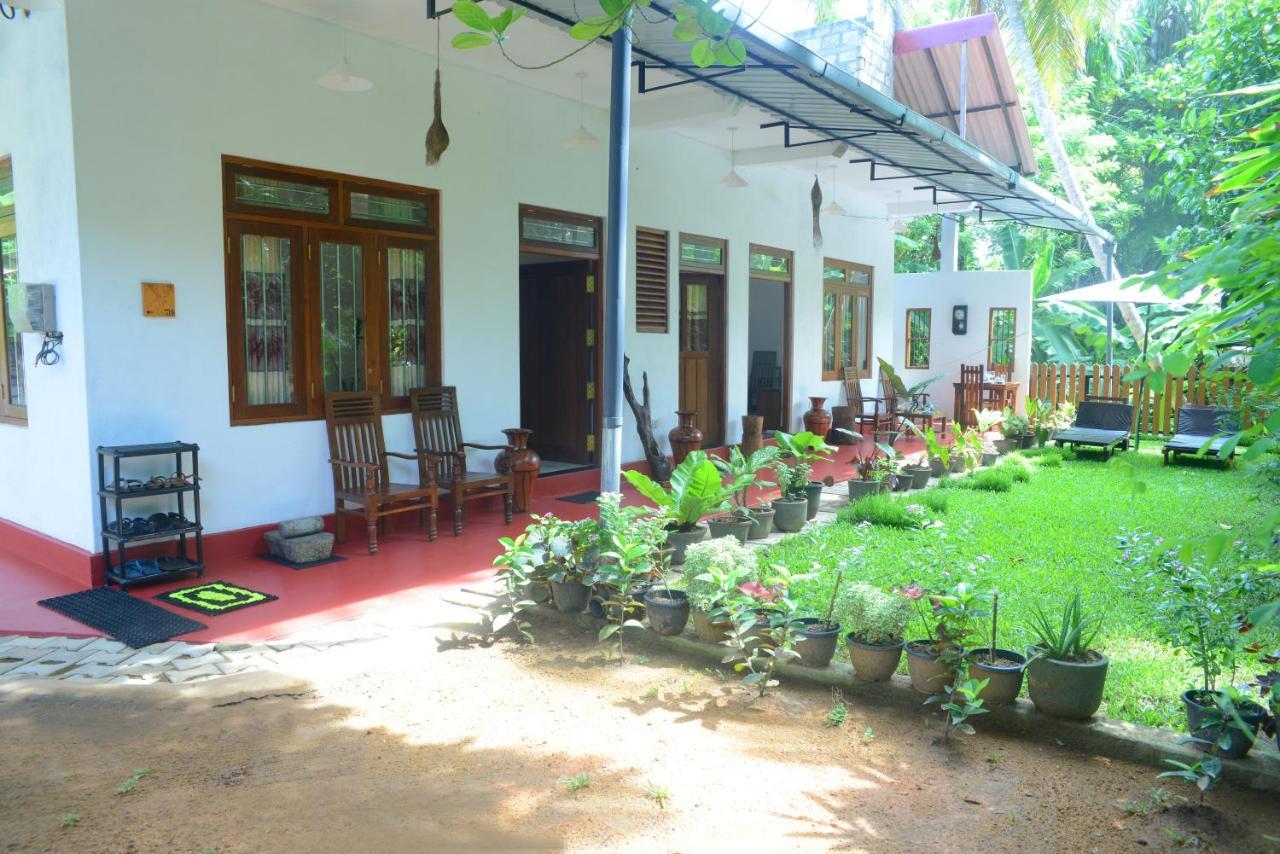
{"x": 354, "y": 422}
{"x": 889, "y": 393}
{"x": 852, "y": 387}
{"x": 765, "y": 372}
{"x": 437, "y": 427}
{"x": 971, "y": 379}
{"x": 1206, "y": 420}
{"x": 1104, "y": 415}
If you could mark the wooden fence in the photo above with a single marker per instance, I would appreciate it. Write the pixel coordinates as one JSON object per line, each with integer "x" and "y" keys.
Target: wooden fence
{"x": 1159, "y": 406}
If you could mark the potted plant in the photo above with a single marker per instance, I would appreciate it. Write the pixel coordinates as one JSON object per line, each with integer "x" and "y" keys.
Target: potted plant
{"x": 631, "y": 540}
{"x": 742, "y": 472}
{"x": 821, "y": 635}
{"x": 1002, "y": 668}
{"x": 763, "y": 629}
{"x": 666, "y": 607}
{"x": 695, "y": 491}
{"x": 901, "y": 477}
{"x": 1065, "y": 675}
{"x": 870, "y": 469}
{"x": 1013, "y": 428}
{"x": 710, "y": 569}
{"x": 919, "y": 470}
{"x": 571, "y": 550}
{"x": 939, "y": 455}
{"x": 806, "y": 448}
{"x": 791, "y": 507}
{"x": 966, "y": 448}
{"x": 937, "y": 663}
{"x": 877, "y": 622}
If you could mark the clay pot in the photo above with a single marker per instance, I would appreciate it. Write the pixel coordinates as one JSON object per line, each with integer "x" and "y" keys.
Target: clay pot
{"x": 817, "y": 420}
{"x": 819, "y": 644}
{"x": 859, "y": 488}
{"x": 708, "y": 630}
{"x": 678, "y": 541}
{"x": 873, "y": 662}
{"x": 684, "y": 437}
{"x": 790, "y": 514}
{"x": 901, "y": 482}
{"x": 919, "y": 476}
{"x": 928, "y": 674}
{"x": 1240, "y": 740}
{"x": 813, "y": 495}
{"x": 523, "y": 463}
{"x": 752, "y": 434}
{"x": 571, "y": 597}
{"x": 936, "y": 468}
{"x": 668, "y": 610}
{"x": 730, "y": 526}
{"x": 989, "y": 459}
{"x": 1066, "y": 689}
{"x": 761, "y": 524}
{"x": 1005, "y": 681}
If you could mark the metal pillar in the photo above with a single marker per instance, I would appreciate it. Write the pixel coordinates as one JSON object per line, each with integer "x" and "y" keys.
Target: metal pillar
{"x": 949, "y": 238}
{"x": 615, "y": 279}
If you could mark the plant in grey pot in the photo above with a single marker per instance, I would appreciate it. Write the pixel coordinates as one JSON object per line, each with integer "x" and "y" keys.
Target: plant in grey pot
{"x": 711, "y": 568}
{"x": 1065, "y": 675}
{"x": 742, "y": 473}
{"x": 877, "y": 621}
{"x": 1002, "y": 668}
{"x": 791, "y": 507}
{"x": 871, "y": 470}
{"x": 1012, "y": 428}
{"x": 695, "y": 491}
{"x": 822, "y": 635}
{"x": 805, "y": 448}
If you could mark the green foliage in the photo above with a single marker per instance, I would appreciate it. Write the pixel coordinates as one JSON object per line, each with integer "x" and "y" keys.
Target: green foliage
{"x": 764, "y": 628}
{"x": 838, "y": 713}
{"x": 1015, "y": 469}
{"x": 742, "y": 470}
{"x": 695, "y": 491}
{"x": 1204, "y": 773}
{"x": 713, "y": 566}
{"x": 882, "y": 508}
{"x": 990, "y": 480}
{"x": 631, "y": 552}
{"x": 1069, "y": 639}
{"x": 132, "y": 783}
{"x": 933, "y": 500}
{"x": 657, "y": 793}
{"x": 874, "y": 616}
{"x": 70, "y": 819}
{"x": 578, "y": 782}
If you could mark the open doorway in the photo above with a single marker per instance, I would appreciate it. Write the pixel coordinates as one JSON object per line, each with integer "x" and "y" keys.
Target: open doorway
{"x": 702, "y": 334}
{"x": 769, "y": 336}
{"x": 559, "y": 323}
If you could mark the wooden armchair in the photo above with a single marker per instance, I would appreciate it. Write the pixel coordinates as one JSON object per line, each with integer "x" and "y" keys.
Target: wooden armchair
{"x": 437, "y": 432}
{"x": 972, "y": 379}
{"x": 361, "y": 482}
{"x": 882, "y": 424}
{"x": 916, "y": 410}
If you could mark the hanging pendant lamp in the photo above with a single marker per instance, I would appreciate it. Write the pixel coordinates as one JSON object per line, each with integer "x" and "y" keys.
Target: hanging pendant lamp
{"x": 834, "y": 208}
{"x": 732, "y": 179}
{"x": 581, "y": 138}
{"x": 343, "y": 77}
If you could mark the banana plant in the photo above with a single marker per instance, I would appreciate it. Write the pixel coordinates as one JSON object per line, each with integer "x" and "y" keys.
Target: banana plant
{"x": 696, "y": 491}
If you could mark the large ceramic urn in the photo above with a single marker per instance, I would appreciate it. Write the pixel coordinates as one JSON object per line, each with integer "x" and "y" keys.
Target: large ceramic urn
{"x": 685, "y": 436}
{"x": 818, "y": 420}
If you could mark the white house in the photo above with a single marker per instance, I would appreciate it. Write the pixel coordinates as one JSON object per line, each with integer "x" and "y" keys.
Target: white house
{"x": 309, "y": 248}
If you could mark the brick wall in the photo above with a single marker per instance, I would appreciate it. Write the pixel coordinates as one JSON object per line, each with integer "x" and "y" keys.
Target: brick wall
{"x": 861, "y": 45}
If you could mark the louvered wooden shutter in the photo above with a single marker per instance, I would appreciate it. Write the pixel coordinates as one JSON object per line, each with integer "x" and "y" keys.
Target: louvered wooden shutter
{"x": 651, "y": 280}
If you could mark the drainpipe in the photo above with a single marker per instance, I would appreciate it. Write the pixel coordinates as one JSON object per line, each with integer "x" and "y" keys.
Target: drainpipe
{"x": 949, "y": 241}
{"x": 615, "y": 278}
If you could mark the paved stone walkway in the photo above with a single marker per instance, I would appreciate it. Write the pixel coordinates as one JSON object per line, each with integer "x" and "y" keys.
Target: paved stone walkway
{"x": 100, "y": 660}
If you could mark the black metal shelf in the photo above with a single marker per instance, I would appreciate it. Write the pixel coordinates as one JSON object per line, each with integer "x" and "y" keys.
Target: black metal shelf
{"x": 119, "y": 568}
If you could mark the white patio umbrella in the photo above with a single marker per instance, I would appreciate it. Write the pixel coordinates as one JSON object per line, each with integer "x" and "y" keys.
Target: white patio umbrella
{"x": 1129, "y": 289}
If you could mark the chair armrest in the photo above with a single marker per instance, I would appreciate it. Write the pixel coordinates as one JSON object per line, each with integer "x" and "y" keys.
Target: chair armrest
{"x": 354, "y": 465}
{"x": 402, "y": 456}
{"x": 480, "y": 447}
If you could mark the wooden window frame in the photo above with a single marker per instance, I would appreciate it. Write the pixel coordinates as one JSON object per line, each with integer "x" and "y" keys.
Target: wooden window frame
{"x": 1013, "y": 343}
{"x": 848, "y": 291}
{"x": 566, "y": 250}
{"x": 651, "y": 326}
{"x": 928, "y": 350}
{"x": 307, "y": 230}
{"x": 698, "y": 266}
{"x": 9, "y": 413}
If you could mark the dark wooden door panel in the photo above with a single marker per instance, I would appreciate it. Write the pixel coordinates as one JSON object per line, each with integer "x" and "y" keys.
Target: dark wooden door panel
{"x": 702, "y": 334}
{"x": 555, "y": 359}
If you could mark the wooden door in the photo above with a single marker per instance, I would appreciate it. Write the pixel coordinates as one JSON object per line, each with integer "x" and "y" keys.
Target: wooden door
{"x": 556, "y": 354}
{"x": 702, "y": 352}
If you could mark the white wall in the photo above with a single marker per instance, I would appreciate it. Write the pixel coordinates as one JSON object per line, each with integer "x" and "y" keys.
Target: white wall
{"x": 45, "y": 466}
{"x": 980, "y": 291}
{"x": 160, "y": 89}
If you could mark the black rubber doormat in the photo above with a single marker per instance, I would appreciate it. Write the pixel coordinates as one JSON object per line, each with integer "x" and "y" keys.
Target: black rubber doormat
{"x": 215, "y": 597}
{"x": 131, "y": 621}
{"x": 304, "y": 565}
{"x": 588, "y": 497}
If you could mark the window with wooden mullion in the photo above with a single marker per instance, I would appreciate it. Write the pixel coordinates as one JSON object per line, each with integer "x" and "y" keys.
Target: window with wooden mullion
{"x": 410, "y": 301}
{"x": 846, "y": 318}
{"x": 13, "y": 392}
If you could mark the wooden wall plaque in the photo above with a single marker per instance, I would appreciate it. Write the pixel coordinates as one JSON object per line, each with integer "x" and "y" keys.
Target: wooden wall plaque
{"x": 158, "y": 300}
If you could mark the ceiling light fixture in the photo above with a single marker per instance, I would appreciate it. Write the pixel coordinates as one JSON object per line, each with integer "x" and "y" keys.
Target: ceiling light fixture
{"x": 834, "y": 208}
{"x": 732, "y": 179}
{"x": 581, "y": 138}
{"x": 343, "y": 77}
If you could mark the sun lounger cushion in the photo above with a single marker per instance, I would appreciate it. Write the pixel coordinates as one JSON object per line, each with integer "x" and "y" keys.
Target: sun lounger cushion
{"x": 1098, "y": 423}
{"x": 1198, "y": 425}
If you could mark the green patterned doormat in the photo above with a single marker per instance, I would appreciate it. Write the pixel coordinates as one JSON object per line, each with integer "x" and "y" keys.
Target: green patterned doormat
{"x": 215, "y": 597}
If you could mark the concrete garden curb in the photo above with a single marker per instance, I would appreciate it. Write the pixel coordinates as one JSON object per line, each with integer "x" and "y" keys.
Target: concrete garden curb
{"x": 1101, "y": 736}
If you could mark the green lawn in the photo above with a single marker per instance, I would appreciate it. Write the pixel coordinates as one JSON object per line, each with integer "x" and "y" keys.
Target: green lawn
{"x": 1055, "y": 534}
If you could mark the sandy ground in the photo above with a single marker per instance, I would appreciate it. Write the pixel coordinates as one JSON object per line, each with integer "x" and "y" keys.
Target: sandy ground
{"x": 431, "y": 744}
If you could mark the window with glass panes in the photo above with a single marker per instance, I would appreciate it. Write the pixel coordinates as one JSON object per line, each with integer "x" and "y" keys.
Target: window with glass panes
{"x": 13, "y": 398}
{"x": 919, "y": 331}
{"x": 846, "y": 318}
{"x": 333, "y": 284}
{"x": 1000, "y": 339}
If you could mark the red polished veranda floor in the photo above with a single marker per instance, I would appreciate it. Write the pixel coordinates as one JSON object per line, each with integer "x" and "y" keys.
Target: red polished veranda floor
{"x": 406, "y": 564}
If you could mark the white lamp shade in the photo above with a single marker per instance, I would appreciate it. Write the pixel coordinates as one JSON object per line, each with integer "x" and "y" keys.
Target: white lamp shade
{"x": 835, "y": 209}
{"x": 581, "y": 138}
{"x": 343, "y": 78}
{"x": 733, "y": 180}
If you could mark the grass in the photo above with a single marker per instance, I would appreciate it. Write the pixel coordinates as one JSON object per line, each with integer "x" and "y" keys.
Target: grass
{"x": 1043, "y": 539}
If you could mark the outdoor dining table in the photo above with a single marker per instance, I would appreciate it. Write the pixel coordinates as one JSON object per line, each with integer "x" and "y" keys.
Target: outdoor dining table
{"x": 994, "y": 395}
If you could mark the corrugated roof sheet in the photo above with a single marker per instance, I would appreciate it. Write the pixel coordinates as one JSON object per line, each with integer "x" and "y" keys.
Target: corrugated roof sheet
{"x": 814, "y": 99}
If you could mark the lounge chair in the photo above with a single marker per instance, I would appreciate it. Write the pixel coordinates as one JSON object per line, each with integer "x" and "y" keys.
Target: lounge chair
{"x": 1198, "y": 425}
{"x": 1099, "y": 424}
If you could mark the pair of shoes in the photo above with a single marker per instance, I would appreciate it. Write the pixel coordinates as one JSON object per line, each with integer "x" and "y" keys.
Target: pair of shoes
{"x": 135, "y": 527}
{"x": 138, "y": 568}
{"x": 168, "y": 521}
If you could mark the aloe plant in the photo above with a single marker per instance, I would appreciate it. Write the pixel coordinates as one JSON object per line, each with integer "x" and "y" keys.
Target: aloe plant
{"x": 696, "y": 490}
